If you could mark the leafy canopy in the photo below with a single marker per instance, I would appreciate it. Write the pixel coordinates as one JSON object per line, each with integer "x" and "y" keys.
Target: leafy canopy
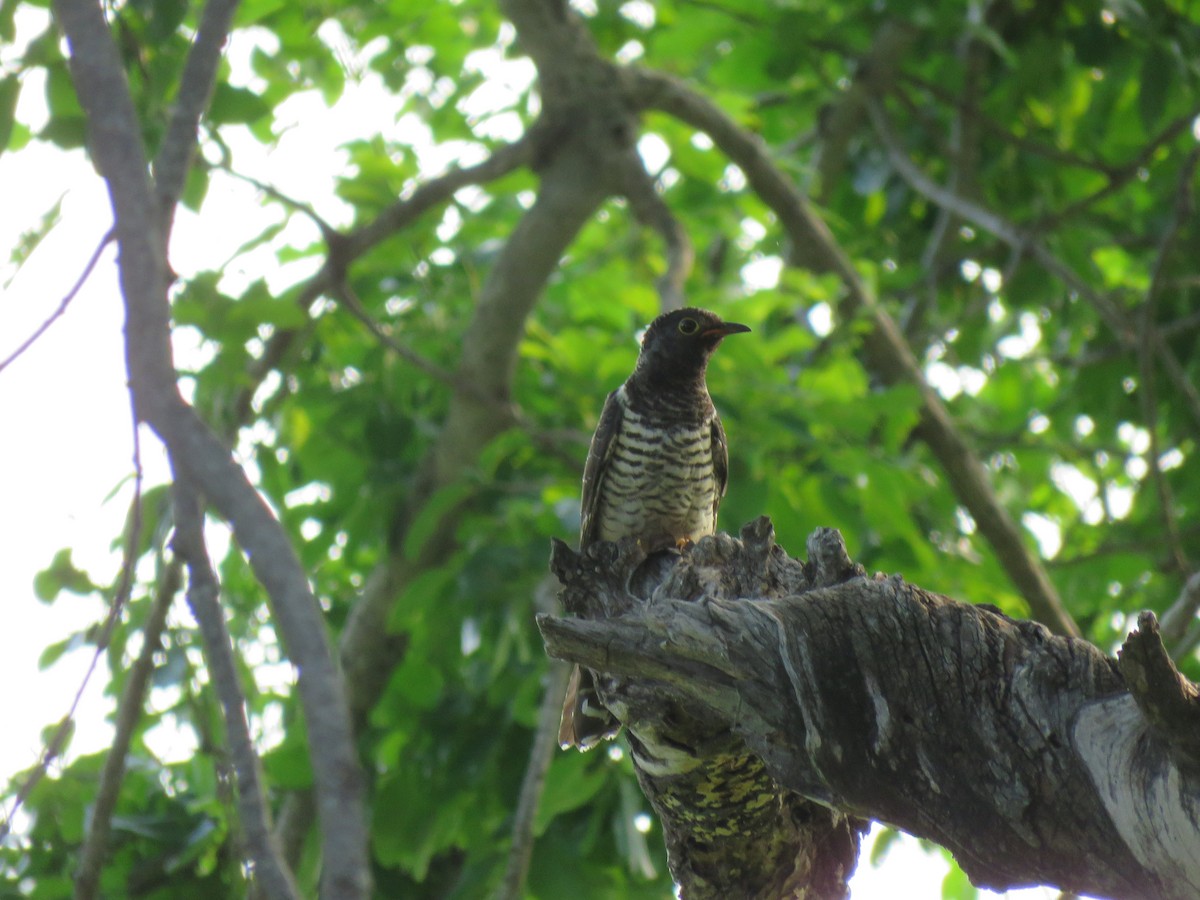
{"x": 1074, "y": 121}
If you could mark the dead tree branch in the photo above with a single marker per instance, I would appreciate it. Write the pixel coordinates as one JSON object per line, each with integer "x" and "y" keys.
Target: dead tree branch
{"x": 1024, "y": 753}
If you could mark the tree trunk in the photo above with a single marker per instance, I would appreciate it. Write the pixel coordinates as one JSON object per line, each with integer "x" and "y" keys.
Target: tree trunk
{"x": 774, "y": 705}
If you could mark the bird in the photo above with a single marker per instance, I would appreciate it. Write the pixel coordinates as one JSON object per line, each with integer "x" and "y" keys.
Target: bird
{"x": 656, "y": 470}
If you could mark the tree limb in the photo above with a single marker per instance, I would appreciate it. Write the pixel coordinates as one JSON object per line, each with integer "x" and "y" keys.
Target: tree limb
{"x": 1182, "y": 613}
{"x": 1110, "y": 313}
{"x": 269, "y": 870}
{"x": 1149, "y": 338}
{"x": 195, "y": 89}
{"x": 91, "y": 856}
{"x": 114, "y": 140}
{"x": 650, "y": 208}
{"x": 545, "y": 744}
{"x": 129, "y": 711}
{"x": 1021, "y": 752}
{"x": 580, "y": 151}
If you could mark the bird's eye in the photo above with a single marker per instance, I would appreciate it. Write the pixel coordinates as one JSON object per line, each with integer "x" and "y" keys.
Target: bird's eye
{"x": 688, "y": 326}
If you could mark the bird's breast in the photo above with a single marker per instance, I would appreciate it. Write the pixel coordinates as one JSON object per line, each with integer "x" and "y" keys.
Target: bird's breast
{"x": 660, "y": 485}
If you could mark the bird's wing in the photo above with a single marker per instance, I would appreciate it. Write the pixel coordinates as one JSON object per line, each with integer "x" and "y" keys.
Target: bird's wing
{"x": 720, "y": 455}
{"x": 604, "y": 444}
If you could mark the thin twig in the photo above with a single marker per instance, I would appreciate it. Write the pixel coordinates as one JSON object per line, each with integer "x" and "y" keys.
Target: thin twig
{"x": 270, "y": 871}
{"x": 275, "y": 194}
{"x": 1120, "y": 175}
{"x": 1147, "y": 389}
{"x": 1112, "y": 315}
{"x": 963, "y": 152}
{"x": 550, "y": 442}
{"x": 650, "y": 209}
{"x": 66, "y": 301}
{"x": 405, "y": 210}
{"x": 541, "y": 753}
{"x": 348, "y": 300}
{"x": 65, "y": 727}
{"x": 1116, "y": 173}
{"x": 129, "y": 712}
{"x": 91, "y": 857}
{"x": 346, "y": 248}
{"x": 1175, "y": 621}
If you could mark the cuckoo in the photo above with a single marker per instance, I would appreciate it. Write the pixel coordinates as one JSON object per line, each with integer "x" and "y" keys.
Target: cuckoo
{"x": 656, "y": 470}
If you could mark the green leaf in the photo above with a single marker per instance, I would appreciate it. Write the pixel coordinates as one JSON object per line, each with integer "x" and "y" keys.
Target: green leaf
{"x": 1158, "y": 74}
{"x": 1120, "y": 269}
{"x": 30, "y": 240}
{"x": 289, "y": 765}
{"x": 58, "y": 649}
{"x": 883, "y": 843}
{"x": 195, "y": 188}
{"x": 8, "y": 31}
{"x": 432, "y": 514}
{"x": 10, "y": 89}
{"x": 61, "y": 575}
{"x": 957, "y": 886}
{"x": 572, "y": 780}
{"x": 233, "y": 105}
{"x": 417, "y": 682}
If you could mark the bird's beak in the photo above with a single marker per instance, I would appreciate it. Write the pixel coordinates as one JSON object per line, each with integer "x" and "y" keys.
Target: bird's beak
{"x": 726, "y": 328}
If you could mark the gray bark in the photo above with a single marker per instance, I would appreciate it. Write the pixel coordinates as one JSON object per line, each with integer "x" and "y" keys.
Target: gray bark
{"x": 811, "y": 696}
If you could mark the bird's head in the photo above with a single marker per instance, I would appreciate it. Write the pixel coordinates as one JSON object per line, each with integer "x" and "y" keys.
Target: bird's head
{"x": 678, "y": 344}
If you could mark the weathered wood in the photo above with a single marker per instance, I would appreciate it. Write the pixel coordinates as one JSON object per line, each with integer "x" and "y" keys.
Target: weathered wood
{"x": 773, "y": 705}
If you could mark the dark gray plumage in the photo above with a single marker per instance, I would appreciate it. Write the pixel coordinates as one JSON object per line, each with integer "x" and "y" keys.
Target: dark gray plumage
{"x": 656, "y": 470}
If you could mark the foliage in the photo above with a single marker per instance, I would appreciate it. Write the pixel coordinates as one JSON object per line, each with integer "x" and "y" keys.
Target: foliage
{"x": 1074, "y": 120}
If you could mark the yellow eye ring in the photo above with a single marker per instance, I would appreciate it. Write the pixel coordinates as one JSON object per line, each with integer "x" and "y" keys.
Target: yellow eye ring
{"x": 688, "y": 326}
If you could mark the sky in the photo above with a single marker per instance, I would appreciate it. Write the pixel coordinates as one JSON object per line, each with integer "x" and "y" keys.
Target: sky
{"x": 66, "y": 468}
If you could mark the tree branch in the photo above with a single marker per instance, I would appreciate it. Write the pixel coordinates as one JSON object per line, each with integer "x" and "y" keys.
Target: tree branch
{"x": 1149, "y": 337}
{"x": 346, "y": 248}
{"x": 814, "y": 246}
{"x": 1175, "y": 620}
{"x": 346, "y": 298}
{"x": 116, "y": 147}
{"x": 114, "y": 767}
{"x": 1109, "y": 312}
{"x": 650, "y": 209}
{"x": 1020, "y": 751}
{"x": 195, "y": 90}
{"x": 580, "y": 152}
{"x": 87, "y": 874}
{"x": 541, "y": 752}
{"x": 129, "y": 711}
{"x": 203, "y": 595}
{"x": 62, "y": 306}
{"x": 405, "y": 210}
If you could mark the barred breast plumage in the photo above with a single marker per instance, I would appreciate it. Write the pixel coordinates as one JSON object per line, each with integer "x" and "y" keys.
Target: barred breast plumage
{"x": 656, "y": 470}
{"x": 661, "y": 483}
